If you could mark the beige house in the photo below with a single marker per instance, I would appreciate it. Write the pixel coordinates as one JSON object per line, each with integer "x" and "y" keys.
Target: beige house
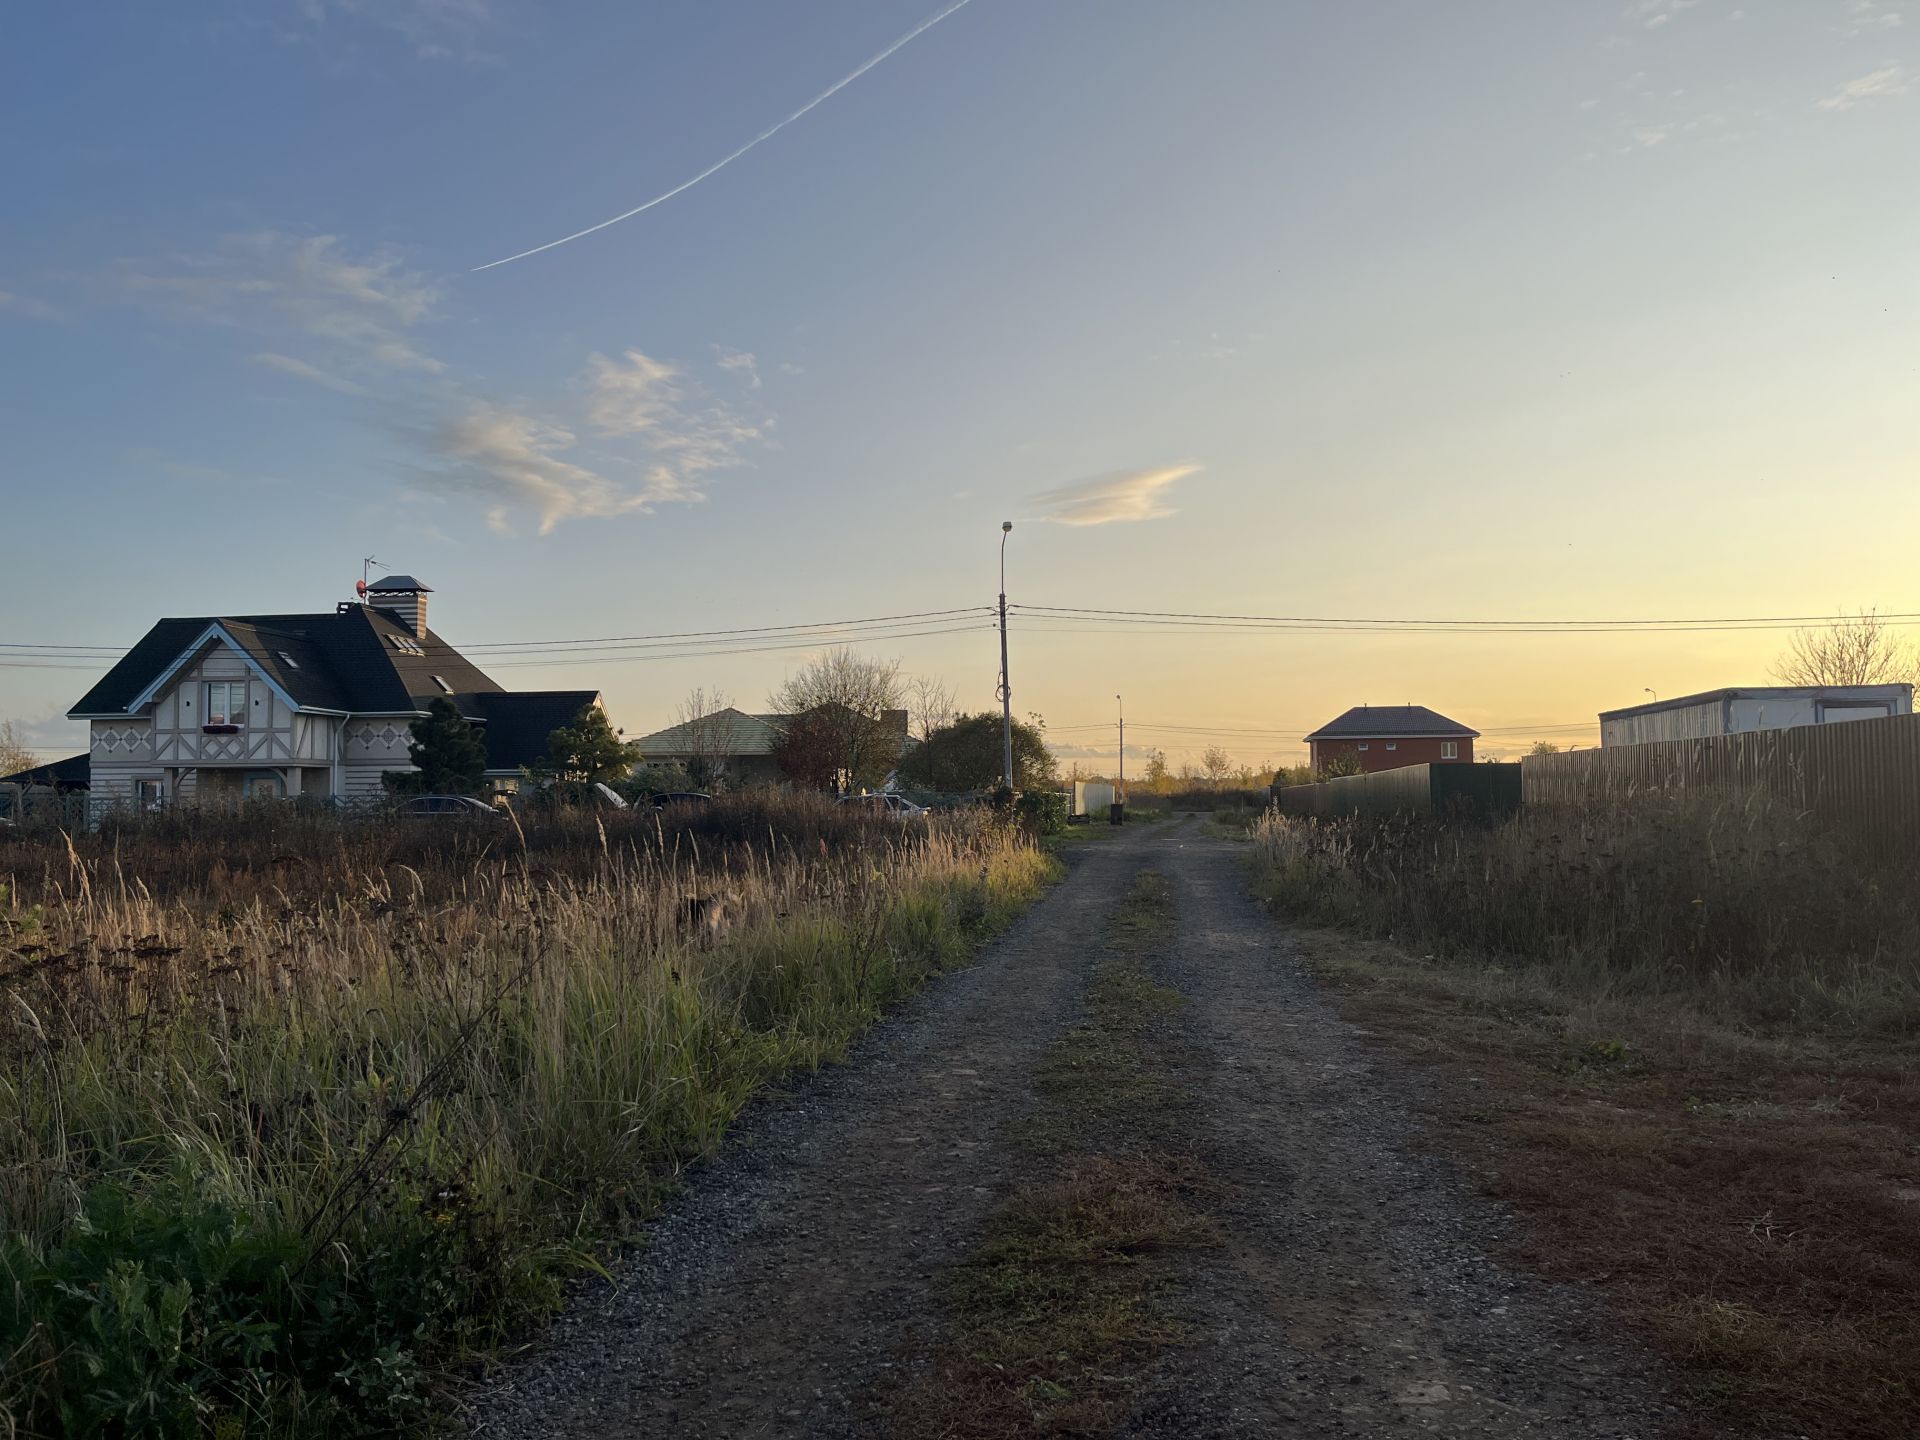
{"x": 727, "y": 744}
{"x": 220, "y": 707}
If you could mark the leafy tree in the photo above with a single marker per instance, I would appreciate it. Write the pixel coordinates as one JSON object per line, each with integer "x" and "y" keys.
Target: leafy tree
{"x": 967, "y": 755}
{"x": 1339, "y": 765}
{"x": 1859, "y": 651}
{"x": 1216, "y": 765}
{"x": 808, "y": 752}
{"x": 448, "y": 755}
{"x": 843, "y": 720}
{"x": 1543, "y": 747}
{"x": 587, "y": 752}
{"x": 1159, "y": 779}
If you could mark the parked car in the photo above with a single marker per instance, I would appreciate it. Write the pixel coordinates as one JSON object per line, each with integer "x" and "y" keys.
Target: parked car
{"x": 447, "y": 807}
{"x": 679, "y": 797}
{"x": 897, "y": 806}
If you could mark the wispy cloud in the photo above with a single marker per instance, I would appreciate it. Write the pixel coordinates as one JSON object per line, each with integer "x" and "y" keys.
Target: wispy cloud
{"x": 1123, "y": 495}
{"x": 510, "y": 459}
{"x": 363, "y": 307}
{"x": 646, "y": 399}
{"x": 738, "y": 362}
{"x": 27, "y": 306}
{"x": 513, "y": 459}
{"x": 434, "y": 29}
{"x": 1866, "y": 17}
{"x": 726, "y": 160}
{"x": 1887, "y": 81}
{"x": 288, "y": 365}
{"x": 1655, "y": 13}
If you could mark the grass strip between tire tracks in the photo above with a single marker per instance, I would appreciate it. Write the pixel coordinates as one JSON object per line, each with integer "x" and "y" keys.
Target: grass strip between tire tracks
{"x": 1060, "y": 1310}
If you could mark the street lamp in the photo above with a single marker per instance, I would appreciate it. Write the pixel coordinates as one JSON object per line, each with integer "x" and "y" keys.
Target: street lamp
{"x": 1006, "y": 690}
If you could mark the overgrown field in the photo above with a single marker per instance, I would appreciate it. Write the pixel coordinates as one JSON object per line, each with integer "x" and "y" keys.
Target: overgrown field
{"x": 297, "y": 1116}
{"x": 1683, "y": 1041}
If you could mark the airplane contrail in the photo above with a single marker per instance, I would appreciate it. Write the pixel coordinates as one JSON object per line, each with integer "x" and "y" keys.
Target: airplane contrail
{"x": 766, "y": 134}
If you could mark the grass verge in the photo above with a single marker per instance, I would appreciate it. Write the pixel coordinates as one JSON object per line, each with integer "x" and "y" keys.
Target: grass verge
{"x": 1059, "y": 1311}
{"x": 1750, "y": 1198}
{"x": 279, "y": 1151}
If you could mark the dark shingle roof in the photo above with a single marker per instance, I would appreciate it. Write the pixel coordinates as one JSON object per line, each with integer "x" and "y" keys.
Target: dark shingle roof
{"x": 1387, "y": 722}
{"x": 356, "y": 658}
{"x": 72, "y": 773}
{"x": 517, "y": 723}
{"x": 401, "y": 583}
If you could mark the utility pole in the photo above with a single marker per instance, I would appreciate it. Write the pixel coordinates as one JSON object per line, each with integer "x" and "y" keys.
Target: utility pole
{"x": 1006, "y": 690}
{"x": 1123, "y": 748}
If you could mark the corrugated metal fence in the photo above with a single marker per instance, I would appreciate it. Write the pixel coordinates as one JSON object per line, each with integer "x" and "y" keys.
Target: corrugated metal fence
{"x": 1861, "y": 776}
{"x": 1482, "y": 791}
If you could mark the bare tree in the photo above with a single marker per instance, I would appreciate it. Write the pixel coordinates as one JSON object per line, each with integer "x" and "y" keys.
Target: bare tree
{"x": 853, "y": 707}
{"x": 709, "y": 734}
{"x": 15, "y": 755}
{"x": 1860, "y": 651}
{"x": 931, "y": 702}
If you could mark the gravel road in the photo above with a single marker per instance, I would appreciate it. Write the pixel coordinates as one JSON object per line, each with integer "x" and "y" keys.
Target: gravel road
{"x": 1355, "y": 1293}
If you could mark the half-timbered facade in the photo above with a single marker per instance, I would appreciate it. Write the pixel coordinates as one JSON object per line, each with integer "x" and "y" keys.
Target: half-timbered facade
{"x": 225, "y": 707}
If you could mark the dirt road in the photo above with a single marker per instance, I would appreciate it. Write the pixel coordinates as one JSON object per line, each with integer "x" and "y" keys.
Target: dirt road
{"x": 799, "y": 1287}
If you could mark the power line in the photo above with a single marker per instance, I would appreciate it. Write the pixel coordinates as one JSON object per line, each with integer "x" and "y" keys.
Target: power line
{"x": 1196, "y": 617}
{"x": 974, "y": 628}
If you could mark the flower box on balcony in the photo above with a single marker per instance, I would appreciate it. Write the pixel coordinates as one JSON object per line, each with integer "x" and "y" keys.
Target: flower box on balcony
{"x": 219, "y": 729}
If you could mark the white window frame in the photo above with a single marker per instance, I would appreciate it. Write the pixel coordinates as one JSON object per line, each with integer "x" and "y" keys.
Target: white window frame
{"x": 227, "y": 689}
{"x": 142, "y": 800}
{"x": 1393, "y": 744}
{"x": 1449, "y": 749}
{"x": 1361, "y": 745}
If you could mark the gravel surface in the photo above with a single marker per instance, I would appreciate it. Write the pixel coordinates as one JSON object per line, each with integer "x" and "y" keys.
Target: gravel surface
{"x": 1355, "y": 1294}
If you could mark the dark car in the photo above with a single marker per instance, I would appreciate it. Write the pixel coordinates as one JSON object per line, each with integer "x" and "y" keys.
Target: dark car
{"x": 679, "y": 797}
{"x": 447, "y": 807}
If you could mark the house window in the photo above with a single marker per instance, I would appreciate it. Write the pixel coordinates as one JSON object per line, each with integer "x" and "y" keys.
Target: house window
{"x": 149, "y": 795}
{"x": 1361, "y": 746}
{"x": 288, "y": 660}
{"x": 226, "y": 703}
{"x": 1393, "y": 745}
{"x": 441, "y": 682}
{"x": 1449, "y": 749}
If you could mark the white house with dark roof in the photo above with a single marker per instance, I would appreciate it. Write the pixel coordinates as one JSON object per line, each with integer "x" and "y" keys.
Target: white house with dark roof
{"x": 219, "y": 707}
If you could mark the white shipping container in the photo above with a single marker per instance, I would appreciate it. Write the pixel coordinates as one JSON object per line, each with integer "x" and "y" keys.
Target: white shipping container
{"x": 1093, "y": 797}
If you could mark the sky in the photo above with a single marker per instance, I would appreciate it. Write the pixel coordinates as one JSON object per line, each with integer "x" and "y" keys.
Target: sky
{"x": 1486, "y": 310}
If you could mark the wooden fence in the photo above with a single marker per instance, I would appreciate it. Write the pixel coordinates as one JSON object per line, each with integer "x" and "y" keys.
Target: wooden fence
{"x": 1858, "y": 777}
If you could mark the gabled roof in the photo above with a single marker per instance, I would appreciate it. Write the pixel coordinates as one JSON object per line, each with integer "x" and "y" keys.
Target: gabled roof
{"x": 356, "y": 658}
{"x": 72, "y": 773}
{"x": 516, "y": 724}
{"x": 1391, "y": 722}
{"x": 724, "y": 732}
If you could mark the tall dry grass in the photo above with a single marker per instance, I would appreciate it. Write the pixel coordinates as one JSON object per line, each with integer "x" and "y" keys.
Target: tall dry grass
{"x": 289, "y": 1125}
{"x": 1728, "y": 898}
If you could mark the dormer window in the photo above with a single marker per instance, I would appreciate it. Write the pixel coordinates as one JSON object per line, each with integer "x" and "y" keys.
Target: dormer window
{"x": 445, "y": 688}
{"x": 287, "y": 660}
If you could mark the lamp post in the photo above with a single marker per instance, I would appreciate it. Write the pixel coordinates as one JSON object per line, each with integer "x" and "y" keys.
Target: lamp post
{"x": 1006, "y": 690}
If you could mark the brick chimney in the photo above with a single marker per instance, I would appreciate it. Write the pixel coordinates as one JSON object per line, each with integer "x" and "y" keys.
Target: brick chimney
{"x": 403, "y": 597}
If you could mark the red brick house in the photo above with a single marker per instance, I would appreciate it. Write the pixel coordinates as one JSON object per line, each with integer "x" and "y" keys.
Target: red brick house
{"x": 1386, "y": 737}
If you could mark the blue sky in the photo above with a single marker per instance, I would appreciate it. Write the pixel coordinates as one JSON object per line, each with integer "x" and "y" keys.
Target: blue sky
{"x": 1488, "y": 308}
